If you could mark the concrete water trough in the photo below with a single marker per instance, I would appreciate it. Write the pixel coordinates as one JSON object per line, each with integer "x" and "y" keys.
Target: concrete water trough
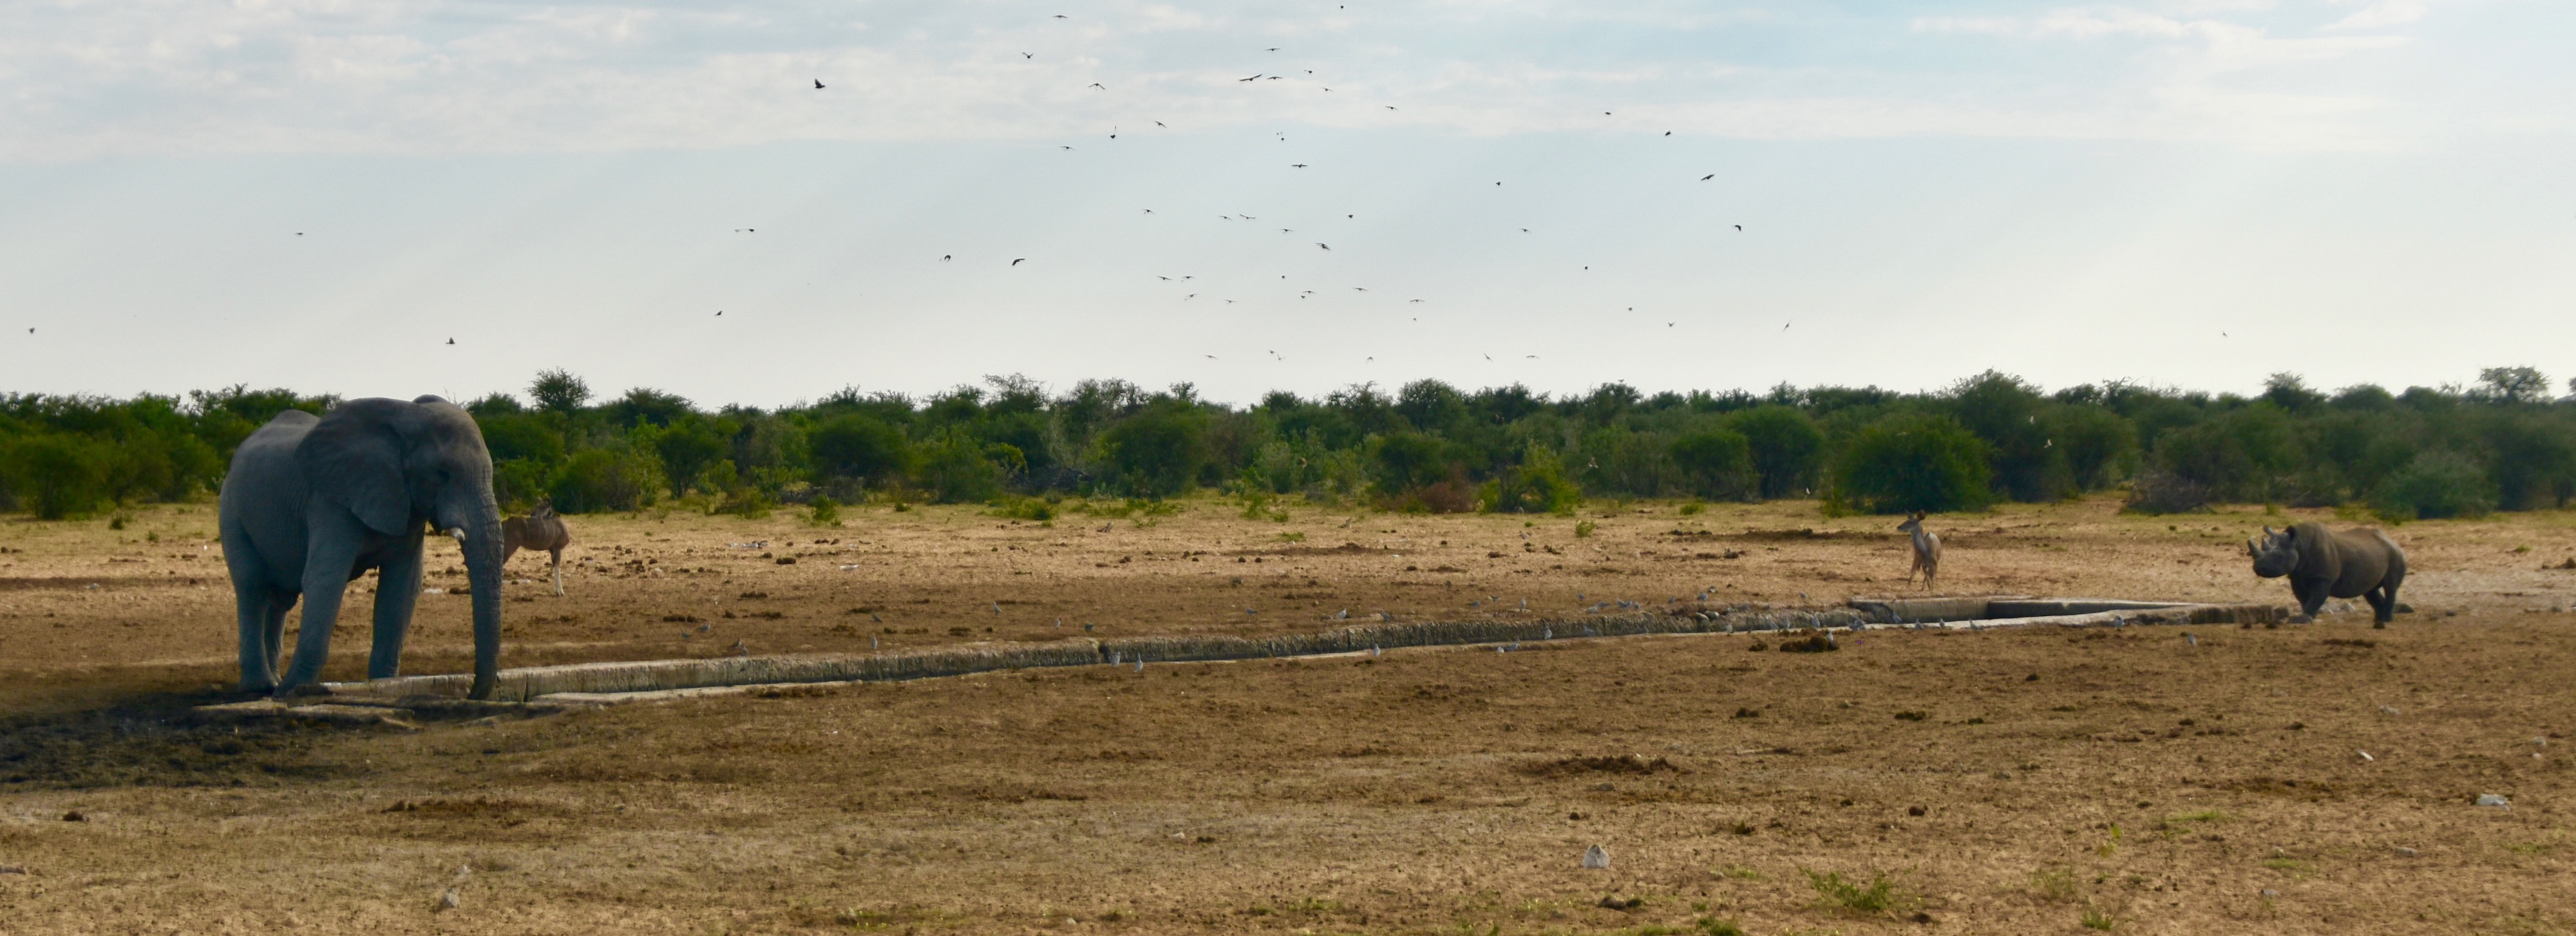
{"x": 2025, "y": 611}
{"x": 546, "y": 689}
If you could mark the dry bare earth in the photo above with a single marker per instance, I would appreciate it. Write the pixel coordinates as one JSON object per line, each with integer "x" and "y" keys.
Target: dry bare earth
{"x": 1414, "y": 792}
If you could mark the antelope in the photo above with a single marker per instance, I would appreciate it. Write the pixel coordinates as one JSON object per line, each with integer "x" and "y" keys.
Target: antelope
{"x": 541, "y": 529}
{"x": 1927, "y": 550}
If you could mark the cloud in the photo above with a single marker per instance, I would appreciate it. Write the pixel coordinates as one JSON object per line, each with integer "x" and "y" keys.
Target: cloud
{"x": 2384, "y": 13}
{"x": 179, "y": 77}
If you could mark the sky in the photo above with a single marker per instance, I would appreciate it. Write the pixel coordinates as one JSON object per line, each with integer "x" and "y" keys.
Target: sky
{"x": 397, "y": 197}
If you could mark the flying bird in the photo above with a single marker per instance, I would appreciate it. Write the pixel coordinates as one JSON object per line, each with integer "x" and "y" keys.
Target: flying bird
{"x": 1668, "y": 133}
{"x": 1323, "y": 245}
{"x": 1098, "y": 85}
{"x": 1708, "y": 177}
{"x": 451, "y": 341}
{"x": 1028, "y": 55}
{"x": 1149, "y": 211}
{"x": 1390, "y": 107}
{"x": 943, "y": 258}
{"x": 1784, "y": 326}
{"x": 1296, "y": 165}
{"x": 1739, "y": 227}
{"x": 1274, "y": 49}
{"x": 1253, "y": 78}
{"x": 299, "y": 233}
{"x": 1068, "y": 147}
{"x": 1208, "y": 356}
{"x": 720, "y": 312}
{"x": 1417, "y": 300}
{"x": 1017, "y": 262}
{"x": 1060, "y": 16}
{"x": 818, "y": 84}
{"x": 1160, "y": 124}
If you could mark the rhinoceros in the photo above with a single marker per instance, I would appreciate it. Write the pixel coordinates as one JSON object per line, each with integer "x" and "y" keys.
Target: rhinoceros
{"x": 2322, "y": 563}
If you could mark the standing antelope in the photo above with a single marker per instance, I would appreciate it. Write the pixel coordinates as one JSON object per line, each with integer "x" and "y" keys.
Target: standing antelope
{"x": 541, "y": 529}
{"x": 1927, "y": 550}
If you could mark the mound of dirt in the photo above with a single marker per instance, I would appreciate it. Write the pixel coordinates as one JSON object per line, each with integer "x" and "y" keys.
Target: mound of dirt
{"x": 1580, "y": 766}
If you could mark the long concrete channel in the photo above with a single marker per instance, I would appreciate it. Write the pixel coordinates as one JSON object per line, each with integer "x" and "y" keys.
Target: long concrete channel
{"x": 541, "y": 689}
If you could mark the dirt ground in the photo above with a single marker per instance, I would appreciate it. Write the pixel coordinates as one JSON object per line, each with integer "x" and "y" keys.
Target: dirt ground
{"x": 1997, "y": 782}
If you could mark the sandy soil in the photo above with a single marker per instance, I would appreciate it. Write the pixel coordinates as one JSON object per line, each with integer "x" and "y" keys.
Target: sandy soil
{"x": 2156, "y": 784}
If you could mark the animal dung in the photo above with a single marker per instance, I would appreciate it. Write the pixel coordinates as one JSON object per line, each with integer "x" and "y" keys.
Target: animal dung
{"x": 1596, "y": 857}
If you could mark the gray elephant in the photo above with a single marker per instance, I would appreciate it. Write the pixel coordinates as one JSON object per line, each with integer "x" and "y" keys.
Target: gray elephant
{"x": 312, "y": 503}
{"x": 2322, "y": 563}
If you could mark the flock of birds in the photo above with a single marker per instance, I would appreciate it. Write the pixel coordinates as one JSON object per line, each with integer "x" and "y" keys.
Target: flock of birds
{"x": 1321, "y": 246}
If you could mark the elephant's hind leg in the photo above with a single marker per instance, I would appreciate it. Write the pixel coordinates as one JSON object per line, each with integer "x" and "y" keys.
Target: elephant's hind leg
{"x": 262, "y": 616}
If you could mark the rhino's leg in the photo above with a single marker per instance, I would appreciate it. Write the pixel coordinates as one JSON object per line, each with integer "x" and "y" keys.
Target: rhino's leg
{"x": 2383, "y": 605}
{"x": 2312, "y": 597}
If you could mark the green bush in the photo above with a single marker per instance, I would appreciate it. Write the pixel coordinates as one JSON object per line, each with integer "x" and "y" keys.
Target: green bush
{"x": 1787, "y": 447}
{"x": 57, "y": 475}
{"x": 1911, "y": 461}
{"x": 1023, "y": 508}
{"x": 2436, "y": 485}
{"x": 1718, "y": 464}
{"x": 1156, "y": 453}
{"x": 2244, "y": 455}
{"x": 956, "y": 470}
{"x": 519, "y": 483}
{"x": 860, "y": 446}
{"x": 823, "y": 512}
{"x": 1537, "y": 485}
{"x": 1620, "y": 462}
{"x": 688, "y": 449}
{"x": 606, "y": 479}
{"x": 2100, "y": 447}
{"x": 1406, "y": 461}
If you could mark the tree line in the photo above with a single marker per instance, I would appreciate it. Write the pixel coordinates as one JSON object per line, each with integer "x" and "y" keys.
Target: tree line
{"x": 2501, "y": 443}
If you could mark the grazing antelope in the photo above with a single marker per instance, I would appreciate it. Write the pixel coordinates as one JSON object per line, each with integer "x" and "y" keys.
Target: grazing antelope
{"x": 541, "y": 529}
{"x": 1927, "y": 550}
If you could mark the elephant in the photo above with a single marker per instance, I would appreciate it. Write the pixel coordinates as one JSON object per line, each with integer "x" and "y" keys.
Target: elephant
{"x": 313, "y": 502}
{"x": 2322, "y": 563}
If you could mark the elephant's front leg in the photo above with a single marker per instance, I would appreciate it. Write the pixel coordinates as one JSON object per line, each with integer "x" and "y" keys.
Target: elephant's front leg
{"x": 397, "y": 592}
{"x": 327, "y": 560}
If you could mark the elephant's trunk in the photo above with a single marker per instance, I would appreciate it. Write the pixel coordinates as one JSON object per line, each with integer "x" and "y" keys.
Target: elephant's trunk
{"x": 482, "y": 548}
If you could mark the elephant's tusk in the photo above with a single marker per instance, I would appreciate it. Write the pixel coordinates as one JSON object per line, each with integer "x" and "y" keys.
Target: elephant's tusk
{"x": 459, "y": 533}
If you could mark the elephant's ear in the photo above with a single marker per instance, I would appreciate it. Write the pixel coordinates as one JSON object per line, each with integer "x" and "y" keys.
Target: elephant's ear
{"x": 354, "y": 458}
